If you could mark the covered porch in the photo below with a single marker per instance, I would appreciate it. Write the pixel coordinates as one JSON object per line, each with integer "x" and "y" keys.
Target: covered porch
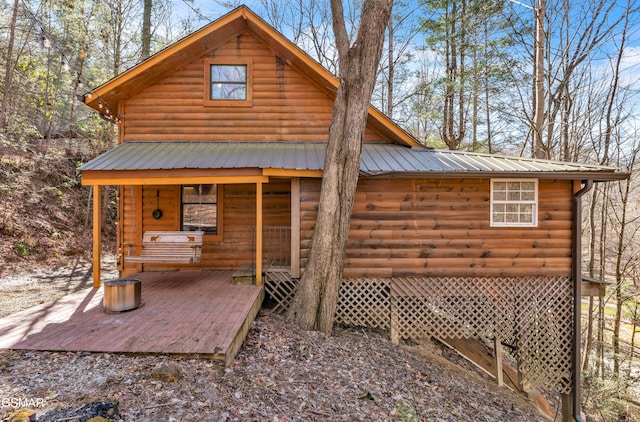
{"x": 183, "y": 312}
{"x": 252, "y": 195}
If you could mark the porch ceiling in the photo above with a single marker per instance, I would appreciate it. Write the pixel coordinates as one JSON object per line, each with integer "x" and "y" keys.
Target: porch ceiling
{"x": 249, "y": 160}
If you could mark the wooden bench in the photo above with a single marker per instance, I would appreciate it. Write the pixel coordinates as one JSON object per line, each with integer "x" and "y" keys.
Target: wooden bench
{"x": 175, "y": 247}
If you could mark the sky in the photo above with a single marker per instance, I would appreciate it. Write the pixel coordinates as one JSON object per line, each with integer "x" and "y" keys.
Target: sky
{"x": 212, "y": 9}
{"x": 208, "y": 10}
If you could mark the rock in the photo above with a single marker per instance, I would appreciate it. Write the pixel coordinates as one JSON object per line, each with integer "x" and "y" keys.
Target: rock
{"x": 103, "y": 410}
{"x": 4, "y": 363}
{"x": 167, "y": 373}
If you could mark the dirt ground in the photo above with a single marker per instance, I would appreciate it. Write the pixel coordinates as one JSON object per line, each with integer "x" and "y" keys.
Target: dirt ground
{"x": 27, "y": 284}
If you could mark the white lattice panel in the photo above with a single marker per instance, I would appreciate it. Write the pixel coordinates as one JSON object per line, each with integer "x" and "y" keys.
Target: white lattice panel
{"x": 280, "y": 287}
{"x": 364, "y": 303}
{"x": 534, "y": 315}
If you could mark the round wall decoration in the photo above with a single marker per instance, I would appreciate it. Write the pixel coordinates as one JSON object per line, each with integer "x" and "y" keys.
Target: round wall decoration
{"x": 157, "y": 213}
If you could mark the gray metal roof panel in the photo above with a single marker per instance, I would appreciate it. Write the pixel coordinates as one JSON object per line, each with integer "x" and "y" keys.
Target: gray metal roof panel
{"x": 377, "y": 159}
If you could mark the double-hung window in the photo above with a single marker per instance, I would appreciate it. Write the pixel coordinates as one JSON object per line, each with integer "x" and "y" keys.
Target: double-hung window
{"x": 228, "y": 83}
{"x": 514, "y": 202}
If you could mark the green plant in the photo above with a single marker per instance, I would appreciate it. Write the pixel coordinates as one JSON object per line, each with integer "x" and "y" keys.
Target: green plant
{"x": 22, "y": 249}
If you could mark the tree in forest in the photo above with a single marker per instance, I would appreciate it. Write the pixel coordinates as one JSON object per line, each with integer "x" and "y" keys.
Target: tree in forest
{"x": 146, "y": 28}
{"x": 8, "y": 67}
{"x": 469, "y": 37}
{"x": 307, "y": 24}
{"x": 424, "y": 116}
{"x": 314, "y": 304}
{"x": 596, "y": 128}
{"x": 449, "y": 32}
{"x": 626, "y": 259}
{"x": 574, "y": 37}
{"x": 395, "y": 87}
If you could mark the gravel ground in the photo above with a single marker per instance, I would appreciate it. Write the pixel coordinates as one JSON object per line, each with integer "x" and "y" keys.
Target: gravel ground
{"x": 280, "y": 374}
{"x": 24, "y": 286}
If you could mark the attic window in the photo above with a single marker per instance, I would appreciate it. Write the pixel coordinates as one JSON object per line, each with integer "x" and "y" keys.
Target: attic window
{"x": 514, "y": 202}
{"x": 228, "y": 83}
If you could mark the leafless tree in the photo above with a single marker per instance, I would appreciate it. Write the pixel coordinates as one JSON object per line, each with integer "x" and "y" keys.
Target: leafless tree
{"x": 314, "y": 304}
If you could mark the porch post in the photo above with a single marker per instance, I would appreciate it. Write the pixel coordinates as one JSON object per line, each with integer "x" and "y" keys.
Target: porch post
{"x": 259, "y": 233}
{"x": 97, "y": 234}
{"x": 295, "y": 227}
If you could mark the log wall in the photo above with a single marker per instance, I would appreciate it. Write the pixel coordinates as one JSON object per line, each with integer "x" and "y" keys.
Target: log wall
{"x": 286, "y": 105}
{"x": 441, "y": 227}
{"x": 238, "y": 215}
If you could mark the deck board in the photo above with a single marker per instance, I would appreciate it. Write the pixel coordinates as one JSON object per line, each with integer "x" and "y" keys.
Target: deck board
{"x": 183, "y": 312}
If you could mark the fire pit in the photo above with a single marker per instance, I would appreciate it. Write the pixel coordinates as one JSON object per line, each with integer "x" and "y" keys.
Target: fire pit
{"x": 122, "y": 294}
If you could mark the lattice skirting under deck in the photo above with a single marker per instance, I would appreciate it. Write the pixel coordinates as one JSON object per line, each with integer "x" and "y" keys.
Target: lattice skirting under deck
{"x": 533, "y": 315}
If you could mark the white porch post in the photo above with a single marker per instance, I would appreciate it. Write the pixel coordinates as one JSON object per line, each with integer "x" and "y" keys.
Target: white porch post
{"x": 97, "y": 234}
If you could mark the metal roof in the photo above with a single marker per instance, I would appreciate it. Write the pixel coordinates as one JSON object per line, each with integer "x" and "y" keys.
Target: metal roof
{"x": 376, "y": 160}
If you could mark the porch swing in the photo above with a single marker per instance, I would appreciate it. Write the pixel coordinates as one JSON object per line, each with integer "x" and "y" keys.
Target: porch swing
{"x": 166, "y": 247}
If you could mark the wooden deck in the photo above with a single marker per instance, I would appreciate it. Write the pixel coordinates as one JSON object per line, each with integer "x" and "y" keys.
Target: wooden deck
{"x": 183, "y": 312}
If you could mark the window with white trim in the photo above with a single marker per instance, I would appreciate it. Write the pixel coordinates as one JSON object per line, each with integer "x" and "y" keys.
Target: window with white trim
{"x": 514, "y": 202}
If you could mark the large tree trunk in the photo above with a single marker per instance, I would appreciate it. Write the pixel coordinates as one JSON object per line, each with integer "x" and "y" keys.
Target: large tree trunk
{"x": 538, "y": 146}
{"x": 314, "y": 304}
{"x": 8, "y": 68}
{"x": 392, "y": 69}
{"x": 146, "y": 28}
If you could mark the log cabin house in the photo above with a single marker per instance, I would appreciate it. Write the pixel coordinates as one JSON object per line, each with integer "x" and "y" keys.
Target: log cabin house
{"x": 224, "y": 132}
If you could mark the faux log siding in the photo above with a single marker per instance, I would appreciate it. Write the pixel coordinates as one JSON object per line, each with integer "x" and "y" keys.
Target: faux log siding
{"x": 286, "y": 105}
{"x": 138, "y": 216}
{"x": 239, "y": 206}
{"x": 436, "y": 227}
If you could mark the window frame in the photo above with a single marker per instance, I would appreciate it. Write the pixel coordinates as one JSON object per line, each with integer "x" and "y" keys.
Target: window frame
{"x": 534, "y": 203}
{"x": 243, "y": 61}
{"x": 219, "y": 213}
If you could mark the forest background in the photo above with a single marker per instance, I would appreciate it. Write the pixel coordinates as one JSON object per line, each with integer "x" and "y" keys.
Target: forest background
{"x": 555, "y": 79}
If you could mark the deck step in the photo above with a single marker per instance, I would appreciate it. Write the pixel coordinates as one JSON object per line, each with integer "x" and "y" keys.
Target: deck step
{"x": 244, "y": 275}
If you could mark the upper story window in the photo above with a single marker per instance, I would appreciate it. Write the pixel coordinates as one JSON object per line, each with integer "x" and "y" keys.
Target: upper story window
{"x": 514, "y": 202}
{"x": 228, "y": 82}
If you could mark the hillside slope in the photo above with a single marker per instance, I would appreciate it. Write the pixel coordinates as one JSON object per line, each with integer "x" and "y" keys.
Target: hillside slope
{"x": 280, "y": 374}
{"x": 44, "y": 210}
